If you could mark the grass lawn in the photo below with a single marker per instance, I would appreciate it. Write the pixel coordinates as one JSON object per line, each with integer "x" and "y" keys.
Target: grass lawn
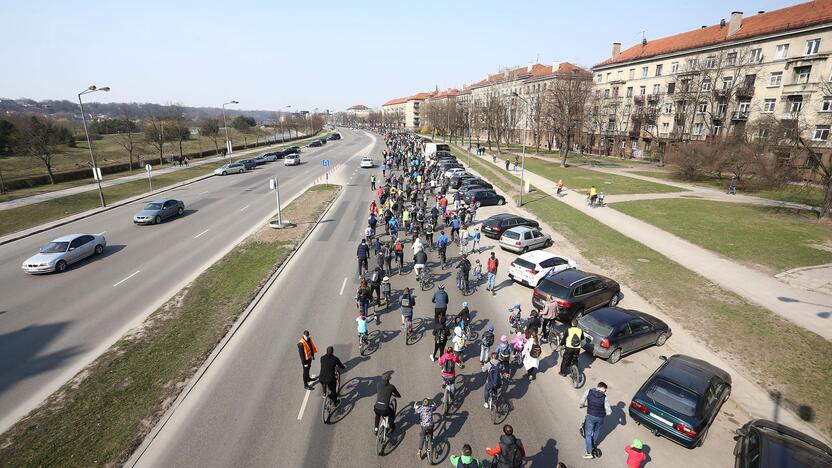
{"x": 24, "y": 217}
{"x": 774, "y": 238}
{"x": 98, "y": 418}
{"x": 704, "y": 309}
{"x": 804, "y": 194}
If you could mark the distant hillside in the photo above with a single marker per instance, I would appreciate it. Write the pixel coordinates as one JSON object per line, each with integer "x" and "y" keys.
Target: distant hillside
{"x": 69, "y": 109}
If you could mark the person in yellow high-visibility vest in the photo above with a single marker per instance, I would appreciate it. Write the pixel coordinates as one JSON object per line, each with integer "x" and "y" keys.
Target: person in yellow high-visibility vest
{"x": 572, "y": 342}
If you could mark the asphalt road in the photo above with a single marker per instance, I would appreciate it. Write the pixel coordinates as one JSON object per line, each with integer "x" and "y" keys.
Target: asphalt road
{"x": 51, "y": 326}
{"x": 250, "y": 408}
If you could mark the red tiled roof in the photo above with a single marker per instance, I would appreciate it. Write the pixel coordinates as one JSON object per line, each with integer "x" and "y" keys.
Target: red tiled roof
{"x": 395, "y": 101}
{"x": 784, "y": 19}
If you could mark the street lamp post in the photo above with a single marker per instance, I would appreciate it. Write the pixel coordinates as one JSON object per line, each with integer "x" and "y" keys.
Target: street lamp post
{"x": 282, "y": 137}
{"x": 92, "y": 89}
{"x": 228, "y": 146}
{"x": 523, "y": 158}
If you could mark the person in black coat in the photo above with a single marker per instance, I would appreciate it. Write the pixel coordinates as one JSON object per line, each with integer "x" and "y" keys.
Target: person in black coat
{"x": 329, "y": 362}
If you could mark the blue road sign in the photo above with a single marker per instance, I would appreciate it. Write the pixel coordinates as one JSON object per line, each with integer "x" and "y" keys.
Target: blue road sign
{"x": 325, "y": 162}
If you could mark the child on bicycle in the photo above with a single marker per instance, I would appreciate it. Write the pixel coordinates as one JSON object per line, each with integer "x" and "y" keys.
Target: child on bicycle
{"x": 425, "y": 411}
{"x": 477, "y": 271}
{"x": 361, "y": 328}
{"x": 458, "y": 341}
{"x": 462, "y": 319}
{"x": 514, "y": 315}
{"x": 518, "y": 343}
{"x": 503, "y": 352}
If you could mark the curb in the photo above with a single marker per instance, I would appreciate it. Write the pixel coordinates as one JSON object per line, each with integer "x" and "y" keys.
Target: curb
{"x": 86, "y": 214}
{"x": 151, "y": 436}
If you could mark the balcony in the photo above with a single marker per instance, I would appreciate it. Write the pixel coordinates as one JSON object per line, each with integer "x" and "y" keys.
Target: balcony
{"x": 790, "y": 115}
{"x": 801, "y": 88}
{"x": 653, "y": 97}
{"x": 745, "y": 91}
{"x": 722, "y": 93}
{"x": 739, "y": 115}
{"x": 718, "y": 116}
{"x": 638, "y": 99}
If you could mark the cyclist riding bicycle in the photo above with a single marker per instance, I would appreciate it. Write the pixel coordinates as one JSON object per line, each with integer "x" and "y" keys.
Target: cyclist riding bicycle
{"x": 464, "y": 268}
{"x": 386, "y": 290}
{"x": 384, "y": 392}
{"x": 398, "y": 250}
{"x": 493, "y": 377}
{"x": 361, "y": 327}
{"x": 448, "y": 363}
{"x": 407, "y": 303}
{"x": 419, "y": 260}
{"x": 518, "y": 343}
{"x": 572, "y": 342}
{"x": 463, "y": 317}
{"x": 329, "y": 362}
{"x": 425, "y": 411}
{"x": 393, "y": 226}
{"x": 442, "y": 246}
{"x": 514, "y": 314}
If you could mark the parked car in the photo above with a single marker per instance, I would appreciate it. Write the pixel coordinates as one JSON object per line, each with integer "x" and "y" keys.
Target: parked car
{"x": 367, "y": 162}
{"x": 232, "y": 168}
{"x": 157, "y": 211}
{"x": 523, "y": 239}
{"x": 266, "y": 157}
{"x": 323, "y": 141}
{"x": 444, "y": 154}
{"x": 577, "y": 293}
{"x": 315, "y": 144}
{"x": 249, "y": 164}
{"x": 494, "y": 226}
{"x": 613, "y": 332}
{"x": 531, "y": 267}
{"x": 471, "y": 184}
{"x": 484, "y": 197}
{"x": 291, "y": 160}
{"x": 458, "y": 180}
{"x": 291, "y": 150}
{"x": 335, "y": 136}
{"x": 681, "y": 399}
{"x": 64, "y": 251}
{"x": 762, "y": 444}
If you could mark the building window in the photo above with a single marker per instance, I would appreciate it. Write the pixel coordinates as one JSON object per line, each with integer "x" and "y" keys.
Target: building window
{"x": 691, "y": 64}
{"x": 671, "y": 88}
{"x": 727, "y": 82}
{"x": 782, "y": 52}
{"x": 668, "y": 108}
{"x": 599, "y": 78}
{"x": 775, "y": 78}
{"x": 627, "y": 109}
{"x": 744, "y": 106}
{"x": 826, "y": 106}
{"x": 632, "y": 73}
{"x": 665, "y": 127}
{"x": 609, "y": 76}
{"x": 644, "y": 72}
{"x": 606, "y": 93}
{"x": 812, "y": 46}
{"x": 697, "y": 128}
{"x": 674, "y": 67}
{"x": 615, "y": 91}
{"x": 629, "y": 91}
{"x": 657, "y": 88}
{"x": 756, "y": 55}
{"x": 717, "y": 130}
{"x": 659, "y": 69}
{"x": 720, "y": 108}
{"x": 702, "y": 107}
{"x": 710, "y": 62}
{"x": 821, "y": 133}
{"x": 769, "y": 105}
{"x": 802, "y": 74}
{"x": 795, "y": 104}
{"x": 731, "y": 58}
{"x": 706, "y": 85}
{"x": 620, "y": 75}
{"x": 642, "y": 90}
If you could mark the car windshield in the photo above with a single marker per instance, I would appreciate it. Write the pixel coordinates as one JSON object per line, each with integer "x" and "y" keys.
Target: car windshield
{"x": 512, "y": 235}
{"x": 672, "y": 397}
{"x": 54, "y": 247}
{"x": 492, "y": 222}
{"x": 525, "y": 263}
{"x": 553, "y": 289}
{"x": 153, "y": 206}
{"x": 776, "y": 447}
{"x": 592, "y": 324}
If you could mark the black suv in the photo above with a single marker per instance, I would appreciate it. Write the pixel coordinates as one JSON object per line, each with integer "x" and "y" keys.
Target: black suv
{"x": 494, "y": 226}
{"x": 576, "y": 292}
{"x": 762, "y": 443}
{"x": 291, "y": 150}
{"x": 335, "y": 136}
{"x": 315, "y": 143}
{"x": 250, "y": 164}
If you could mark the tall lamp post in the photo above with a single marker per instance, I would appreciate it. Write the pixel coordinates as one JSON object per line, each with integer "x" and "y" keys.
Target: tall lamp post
{"x": 282, "y": 136}
{"x": 523, "y": 158}
{"x": 89, "y": 90}
{"x": 225, "y": 125}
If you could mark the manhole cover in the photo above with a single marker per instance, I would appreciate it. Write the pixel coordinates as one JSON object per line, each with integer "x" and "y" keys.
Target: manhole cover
{"x": 643, "y": 260}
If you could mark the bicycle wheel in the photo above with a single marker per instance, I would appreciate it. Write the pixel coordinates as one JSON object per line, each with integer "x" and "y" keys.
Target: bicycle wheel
{"x": 429, "y": 448}
{"x": 493, "y": 406}
{"x": 325, "y": 408}
{"x": 446, "y": 401}
{"x": 380, "y": 437}
{"x": 576, "y": 376}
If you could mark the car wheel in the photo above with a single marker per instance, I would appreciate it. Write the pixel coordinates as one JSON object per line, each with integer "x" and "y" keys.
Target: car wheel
{"x": 224, "y": 173}
{"x": 60, "y": 266}
{"x": 549, "y": 243}
{"x": 662, "y": 339}
{"x": 525, "y": 249}
{"x": 614, "y": 300}
{"x": 180, "y": 211}
{"x": 477, "y": 204}
{"x": 500, "y": 202}
{"x": 615, "y": 356}
{"x": 157, "y": 219}
{"x": 99, "y": 249}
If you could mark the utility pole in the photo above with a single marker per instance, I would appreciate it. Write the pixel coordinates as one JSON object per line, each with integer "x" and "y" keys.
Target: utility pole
{"x": 95, "y": 171}
{"x": 228, "y": 146}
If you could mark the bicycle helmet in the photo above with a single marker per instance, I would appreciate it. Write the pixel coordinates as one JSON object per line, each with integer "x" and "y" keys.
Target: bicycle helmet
{"x": 464, "y": 304}
{"x": 441, "y": 286}
{"x": 503, "y": 339}
{"x": 516, "y": 306}
{"x": 386, "y": 279}
{"x": 491, "y": 328}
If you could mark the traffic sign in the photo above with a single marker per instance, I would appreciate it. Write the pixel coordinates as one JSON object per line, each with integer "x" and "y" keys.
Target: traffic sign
{"x": 148, "y": 167}
{"x": 325, "y": 162}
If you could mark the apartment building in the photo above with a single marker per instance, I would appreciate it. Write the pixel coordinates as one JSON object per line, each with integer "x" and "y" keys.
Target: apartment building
{"x": 359, "y": 111}
{"x": 744, "y": 74}
{"x": 404, "y": 112}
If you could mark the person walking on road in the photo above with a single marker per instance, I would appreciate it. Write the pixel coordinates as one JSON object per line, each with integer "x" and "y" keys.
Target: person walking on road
{"x": 531, "y": 354}
{"x": 635, "y": 454}
{"x": 548, "y": 315}
{"x": 307, "y": 350}
{"x": 509, "y": 451}
{"x": 492, "y": 265}
{"x": 373, "y": 183}
{"x": 486, "y": 341}
{"x": 329, "y": 362}
{"x": 465, "y": 460}
{"x": 597, "y": 408}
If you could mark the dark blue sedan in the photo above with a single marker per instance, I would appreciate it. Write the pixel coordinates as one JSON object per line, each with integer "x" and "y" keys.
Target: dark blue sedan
{"x": 681, "y": 399}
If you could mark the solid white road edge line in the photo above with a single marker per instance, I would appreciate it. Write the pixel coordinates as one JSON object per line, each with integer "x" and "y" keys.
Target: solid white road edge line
{"x": 201, "y": 233}
{"x": 125, "y": 279}
{"x": 344, "y": 284}
{"x": 303, "y": 405}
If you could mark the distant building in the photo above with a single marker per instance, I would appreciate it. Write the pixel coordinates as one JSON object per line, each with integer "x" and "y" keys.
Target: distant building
{"x": 359, "y": 111}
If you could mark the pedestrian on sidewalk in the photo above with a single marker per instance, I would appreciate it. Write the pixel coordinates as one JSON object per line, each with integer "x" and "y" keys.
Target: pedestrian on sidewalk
{"x": 507, "y": 161}
{"x": 635, "y": 454}
{"x": 493, "y": 263}
{"x": 560, "y": 186}
{"x": 593, "y": 195}
{"x": 307, "y": 350}
{"x": 732, "y": 187}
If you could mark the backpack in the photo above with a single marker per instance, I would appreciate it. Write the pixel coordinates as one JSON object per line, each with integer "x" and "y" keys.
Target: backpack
{"x": 398, "y": 247}
{"x": 535, "y": 351}
{"x": 406, "y": 301}
{"x": 511, "y": 453}
{"x": 488, "y": 339}
{"x": 376, "y": 277}
{"x": 441, "y": 335}
{"x": 505, "y": 353}
{"x": 494, "y": 378}
{"x": 576, "y": 341}
{"x": 448, "y": 366}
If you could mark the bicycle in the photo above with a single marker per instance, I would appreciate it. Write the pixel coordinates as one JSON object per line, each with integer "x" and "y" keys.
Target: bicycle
{"x": 429, "y": 446}
{"x": 447, "y": 394}
{"x": 515, "y": 321}
{"x": 327, "y": 407}
{"x": 425, "y": 278}
{"x": 553, "y": 337}
{"x": 462, "y": 282}
{"x": 577, "y": 377}
{"x": 383, "y": 434}
{"x": 407, "y": 330}
{"x": 494, "y": 402}
{"x": 363, "y": 343}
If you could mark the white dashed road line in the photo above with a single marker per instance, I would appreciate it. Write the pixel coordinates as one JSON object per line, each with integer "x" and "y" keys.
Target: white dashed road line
{"x": 303, "y": 405}
{"x": 244, "y": 208}
{"x": 125, "y": 279}
{"x": 344, "y": 284}
{"x": 201, "y": 233}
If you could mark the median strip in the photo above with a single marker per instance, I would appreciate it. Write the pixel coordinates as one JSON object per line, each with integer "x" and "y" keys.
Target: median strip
{"x": 103, "y": 414}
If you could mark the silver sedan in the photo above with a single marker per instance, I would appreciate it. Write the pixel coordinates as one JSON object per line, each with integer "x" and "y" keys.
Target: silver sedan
{"x": 64, "y": 251}
{"x": 157, "y": 211}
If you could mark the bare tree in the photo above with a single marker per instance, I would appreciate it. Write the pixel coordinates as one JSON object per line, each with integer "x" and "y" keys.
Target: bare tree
{"x": 568, "y": 98}
{"x": 40, "y": 138}
{"x": 211, "y": 129}
{"x": 129, "y": 141}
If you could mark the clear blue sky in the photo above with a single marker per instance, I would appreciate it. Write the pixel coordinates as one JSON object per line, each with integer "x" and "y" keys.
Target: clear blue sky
{"x": 313, "y": 53}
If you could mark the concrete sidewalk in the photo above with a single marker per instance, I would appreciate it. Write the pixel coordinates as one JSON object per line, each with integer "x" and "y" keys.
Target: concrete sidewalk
{"x": 808, "y": 309}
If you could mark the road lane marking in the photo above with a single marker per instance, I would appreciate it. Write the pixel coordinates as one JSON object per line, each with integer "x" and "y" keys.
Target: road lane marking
{"x": 201, "y": 233}
{"x": 342, "y": 286}
{"x": 303, "y": 405}
{"x": 125, "y": 279}
{"x": 244, "y": 208}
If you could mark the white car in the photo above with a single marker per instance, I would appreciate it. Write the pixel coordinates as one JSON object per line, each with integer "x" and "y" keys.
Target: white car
{"x": 531, "y": 267}
{"x": 291, "y": 160}
{"x": 454, "y": 171}
{"x": 64, "y": 251}
{"x": 367, "y": 162}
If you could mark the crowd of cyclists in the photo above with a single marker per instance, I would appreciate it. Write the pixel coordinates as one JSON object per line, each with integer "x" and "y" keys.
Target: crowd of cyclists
{"x": 412, "y": 201}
